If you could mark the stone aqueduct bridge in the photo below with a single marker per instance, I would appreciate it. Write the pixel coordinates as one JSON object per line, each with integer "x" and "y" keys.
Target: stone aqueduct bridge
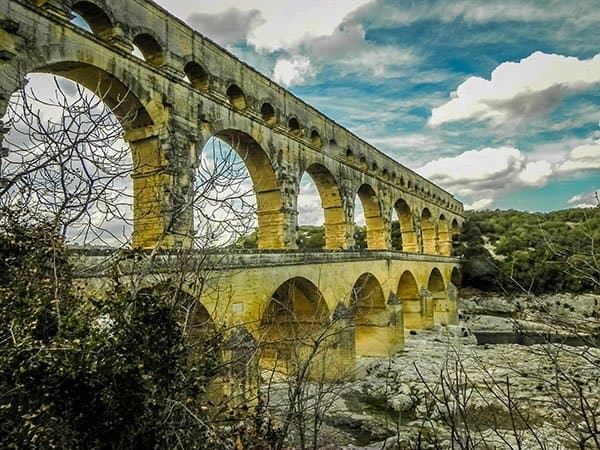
{"x": 185, "y": 90}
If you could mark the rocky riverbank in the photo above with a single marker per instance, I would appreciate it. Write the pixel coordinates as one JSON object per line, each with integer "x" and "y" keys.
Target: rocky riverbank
{"x": 445, "y": 387}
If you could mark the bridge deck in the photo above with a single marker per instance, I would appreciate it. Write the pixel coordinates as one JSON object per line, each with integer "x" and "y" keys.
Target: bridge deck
{"x": 94, "y": 261}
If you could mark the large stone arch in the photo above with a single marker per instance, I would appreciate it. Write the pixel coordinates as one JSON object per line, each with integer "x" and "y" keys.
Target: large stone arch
{"x": 333, "y": 208}
{"x": 428, "y": 235}
{"x": 142, "y": 119}
{"x": 407, "y": 228}
{"x": 378, "y": 329}
{"x": 266, "y": 186}
{"x": 376, "y": 231}
{"x": 293, "y": 315}
{"x": 410, "y": 297}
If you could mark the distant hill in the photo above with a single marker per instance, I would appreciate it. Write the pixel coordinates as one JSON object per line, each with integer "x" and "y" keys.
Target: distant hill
{"x": 535, "y": 252}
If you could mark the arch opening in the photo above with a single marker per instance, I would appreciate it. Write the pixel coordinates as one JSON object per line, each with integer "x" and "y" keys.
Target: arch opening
{"x": 331, "y": 212}
{"x": 267, "y": 112}
{"x": 406, "y": 227}
{"x": 293, "y": 315}
{"x": 375, "y": 228}
{"x": 224, "y": 204}
{"x": 67, "y": 161}
{"x": 428, "y": 237}
{"x": 236, "y": 97}
{"x": 150, "y": 49}
{"x": 197, "y": 76}
{"x": 436, "y": 285}
{"x": 371, "y": 317}
{"x": 257, "y": 201}
{"x": 456, "y": 277}
{"x": 315, "y": 138}
{"x": 349, "y": 155}
{"x": 95, "y": 18}
{"x": 412, "y": 303}
{"x": 444, "y": 237}
{"x": 294, "y": 126}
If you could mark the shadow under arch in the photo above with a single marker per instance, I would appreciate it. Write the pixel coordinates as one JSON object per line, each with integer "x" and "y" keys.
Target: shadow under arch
{"x": 333, "y": 209}
{"x": 407, "y": 227}
{"x": 265, "y": 184}
{"x": 292, "y": 320}
{"x": 377, "y": 328}
{"x": 412, "y": 302}
{"x": 376, "y": 233}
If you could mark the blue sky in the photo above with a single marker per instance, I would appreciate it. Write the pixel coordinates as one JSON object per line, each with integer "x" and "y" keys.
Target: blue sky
{"x": 497, "y": 101}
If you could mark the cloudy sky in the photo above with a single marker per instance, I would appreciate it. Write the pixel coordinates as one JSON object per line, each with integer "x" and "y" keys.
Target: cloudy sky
{"x": 496, "y": 101}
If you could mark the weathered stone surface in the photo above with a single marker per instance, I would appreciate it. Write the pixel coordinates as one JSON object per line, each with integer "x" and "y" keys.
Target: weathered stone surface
{"x": 188, "y": 89}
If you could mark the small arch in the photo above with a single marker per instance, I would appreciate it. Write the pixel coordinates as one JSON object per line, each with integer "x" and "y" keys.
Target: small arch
{"x": 436, "y": 285}
{"x": 367, "y": 301}
{"x": 349, "y": 154}
{"x": 412, "y": 307}
{"x": 197, "y": 76}
{"x": 376, "y": 233}
{"x": 363, "y": 161}
{"x": 409, "y": 184}
{"x": 456, "y": 277}
{"x": 294, "y": 126}
{"x": 236, "y": 97}
{"x": 332, "y": 143}
{"x": 150, "y": 49}
{"x": 267, "y": 112}
{"x": 385, "y": 174}
{"x": 407, "y": 228}
{"x": 97, "y": 19}
{"x": 315, "y": 138}
{"x": 428, "y": 238}
{"x": 374, "y": 167}
{"x": 402, "y": 182}
{"x": 455, "y": 227}
{"x": 294, "y": 312}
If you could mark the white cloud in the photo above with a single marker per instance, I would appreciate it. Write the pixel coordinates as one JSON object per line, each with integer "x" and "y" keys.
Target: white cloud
{"x": 581, "y": 158}
{"x": 292, "y": 71}
{"x": 528, "y": 88}
{"x": 483, "y": 203}
{"x": 284, "y": 24}
{"x": 535, "y": 173}
{"x": 480, "y": 175}
{"x": 586, "y": 200}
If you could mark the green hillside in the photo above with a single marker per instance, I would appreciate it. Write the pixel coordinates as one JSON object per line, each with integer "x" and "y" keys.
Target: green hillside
{"x": 534, "y": 252}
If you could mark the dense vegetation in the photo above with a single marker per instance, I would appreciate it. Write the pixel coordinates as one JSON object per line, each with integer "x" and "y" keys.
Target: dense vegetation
{"x": 534, "y": 252}
{"x": 116, "y": 372}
